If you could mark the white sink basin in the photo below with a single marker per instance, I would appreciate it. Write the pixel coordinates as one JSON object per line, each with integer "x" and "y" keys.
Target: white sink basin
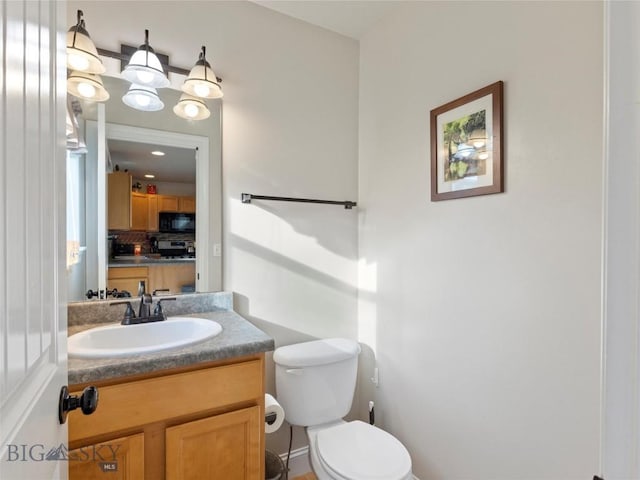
{"x": 124, "y": 340}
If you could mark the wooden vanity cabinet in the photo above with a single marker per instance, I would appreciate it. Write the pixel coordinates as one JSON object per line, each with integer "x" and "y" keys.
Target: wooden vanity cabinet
{"x": 235, "y": 436}
{"x": 120, "y": 458}
{"x": 184, "y": 424}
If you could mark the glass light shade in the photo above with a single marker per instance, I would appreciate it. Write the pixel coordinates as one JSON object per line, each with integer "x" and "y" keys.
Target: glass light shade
{"x": 143, "y": 98}
{"x": 202, "y": 82}
{"x": 82, "y": 54}
{"x": 87, "y": 86}
{"x": 144, "y": 68}
{"x": 191, "y": 108}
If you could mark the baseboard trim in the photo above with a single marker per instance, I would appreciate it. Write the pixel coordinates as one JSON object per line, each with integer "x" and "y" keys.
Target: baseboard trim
{"x": 299, "y": 462}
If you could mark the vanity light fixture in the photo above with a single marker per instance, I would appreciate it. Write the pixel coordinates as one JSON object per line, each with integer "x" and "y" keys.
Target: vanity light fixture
{"x": 202, "y": 82}
{"x": 87, "y": 86}
{"x": 143, "y": 98}
{"x": 144, "y": 68}
{"x": 82, "y": 54}
{"x": 191, "y": 108}
{"x": 148, "y": 175}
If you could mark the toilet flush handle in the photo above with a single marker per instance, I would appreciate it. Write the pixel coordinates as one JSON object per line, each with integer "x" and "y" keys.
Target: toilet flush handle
{"x": 294, "y": 371}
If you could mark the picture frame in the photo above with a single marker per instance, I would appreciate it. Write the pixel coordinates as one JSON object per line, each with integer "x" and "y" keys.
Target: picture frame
{"x": 467, "y": 145}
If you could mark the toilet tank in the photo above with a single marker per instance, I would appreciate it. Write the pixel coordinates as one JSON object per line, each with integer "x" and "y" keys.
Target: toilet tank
{"x": 315, "y": 381}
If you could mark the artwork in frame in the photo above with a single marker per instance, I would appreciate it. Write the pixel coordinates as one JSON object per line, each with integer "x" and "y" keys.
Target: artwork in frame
{"x": 466, "y": 145}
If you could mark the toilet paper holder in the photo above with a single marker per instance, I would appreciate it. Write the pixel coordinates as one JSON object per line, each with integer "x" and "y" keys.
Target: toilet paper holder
{"x": 270, "y": 418}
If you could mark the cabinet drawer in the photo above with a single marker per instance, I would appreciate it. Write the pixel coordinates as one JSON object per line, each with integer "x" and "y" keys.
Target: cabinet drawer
{"x": 128, "y": 272}
{"x": 126, "y": 284}
{"x": 134, "y": 404}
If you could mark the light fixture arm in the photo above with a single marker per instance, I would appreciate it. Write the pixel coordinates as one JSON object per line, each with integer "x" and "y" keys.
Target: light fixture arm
{"x": 203, "y": 61}
{"x": 123, "y": 57}
{"x": 80, "y": 27}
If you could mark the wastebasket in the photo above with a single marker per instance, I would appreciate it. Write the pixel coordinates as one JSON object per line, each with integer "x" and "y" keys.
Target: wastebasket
{"x": 273, "y": 466}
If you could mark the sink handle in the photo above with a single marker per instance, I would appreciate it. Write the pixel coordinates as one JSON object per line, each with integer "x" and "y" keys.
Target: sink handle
{"x": 158, "y": 309}
{"x": 129, "y": 314}
{"x": 112, "y": 293}
{"x": 91, "y": 293}
{"x": 87, "y": 402}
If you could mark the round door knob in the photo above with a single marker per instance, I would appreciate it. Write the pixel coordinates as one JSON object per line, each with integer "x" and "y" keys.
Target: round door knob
{"x": 87, "y": 402}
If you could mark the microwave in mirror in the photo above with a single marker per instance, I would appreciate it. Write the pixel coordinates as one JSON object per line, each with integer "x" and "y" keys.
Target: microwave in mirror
{"x": 170, "y": 222}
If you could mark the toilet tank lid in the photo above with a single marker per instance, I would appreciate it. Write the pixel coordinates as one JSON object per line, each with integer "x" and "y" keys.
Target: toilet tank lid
{"x": 317, "y": 352}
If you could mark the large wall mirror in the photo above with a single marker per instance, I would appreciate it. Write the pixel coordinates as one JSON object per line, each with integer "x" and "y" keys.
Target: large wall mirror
{"x": 164, "y": 230}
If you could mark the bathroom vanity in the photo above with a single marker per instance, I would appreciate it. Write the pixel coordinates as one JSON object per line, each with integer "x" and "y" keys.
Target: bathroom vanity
{"x": 188, "y": 413}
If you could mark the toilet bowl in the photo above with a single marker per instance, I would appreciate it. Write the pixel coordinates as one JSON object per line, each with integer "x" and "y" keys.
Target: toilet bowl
{"x": 357, "y": 451}
{"x": 315, "y": 383}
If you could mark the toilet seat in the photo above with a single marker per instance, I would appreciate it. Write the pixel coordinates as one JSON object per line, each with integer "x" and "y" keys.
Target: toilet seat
{"x": 359, "y": 451}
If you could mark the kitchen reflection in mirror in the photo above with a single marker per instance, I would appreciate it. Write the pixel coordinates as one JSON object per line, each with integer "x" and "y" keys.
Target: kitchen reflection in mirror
{"x": 147, "y": 208}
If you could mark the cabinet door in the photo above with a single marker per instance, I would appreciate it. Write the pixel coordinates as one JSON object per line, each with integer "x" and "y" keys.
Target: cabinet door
{"x": 187, "y": 204}
{"x": 225, "y": 447}
{"x": 167, "y": 203}
{"x": 128, "y": 278}
{"x": 173, "y": 276}
{"x": 139, "y": 211}
{"x": 153, "y": 213}
{"x": 118, "y": 459}
{"x": 119, "y": 201}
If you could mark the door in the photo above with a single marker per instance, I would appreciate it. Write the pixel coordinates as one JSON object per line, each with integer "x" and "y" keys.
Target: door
{"x": 32, "y": 240}
{"x": 620, "y": 455}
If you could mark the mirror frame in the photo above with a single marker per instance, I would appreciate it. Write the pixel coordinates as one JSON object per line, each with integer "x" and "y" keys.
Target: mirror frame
{"x": 102, "y": 131}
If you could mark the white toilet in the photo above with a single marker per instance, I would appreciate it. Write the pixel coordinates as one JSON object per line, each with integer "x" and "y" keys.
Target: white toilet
{"x": 315, "y": 382}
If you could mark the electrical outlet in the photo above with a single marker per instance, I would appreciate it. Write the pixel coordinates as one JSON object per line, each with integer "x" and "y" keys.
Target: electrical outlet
{"x": 217, "y": 250}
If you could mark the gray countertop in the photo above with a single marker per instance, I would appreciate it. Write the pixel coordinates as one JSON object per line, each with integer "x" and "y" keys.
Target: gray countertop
{"x": 238, "y": 338}
{"x": 148, "y": 262}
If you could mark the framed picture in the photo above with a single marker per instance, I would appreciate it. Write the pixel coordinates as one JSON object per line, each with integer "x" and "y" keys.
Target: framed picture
{"x": 466, "y": 145}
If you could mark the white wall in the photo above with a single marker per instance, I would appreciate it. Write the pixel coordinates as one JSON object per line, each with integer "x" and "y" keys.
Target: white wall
{"x": 290, "y": 129}
{"x": 486, "y": 310}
